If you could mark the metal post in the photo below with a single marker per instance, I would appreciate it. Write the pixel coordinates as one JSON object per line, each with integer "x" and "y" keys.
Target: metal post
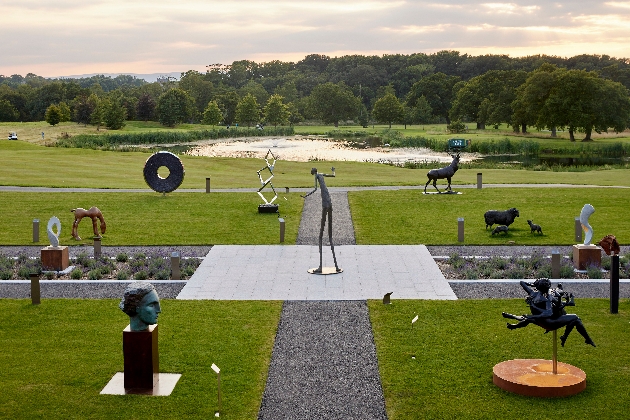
{"x": 207, "y": 185}
{"x": 287, "y": 190}
{"x": 35, "y": 230}
{"x": 614, "y": 284}
{"x": 281, "y": 220}
{"x": 555, "y": 264}
{"x": 35, "y": 290}
{"x": 479, "y": 182}
{"x": 175, "y": 273}
{"x": 97, "y": 247}
{"x": 460, "y": 229}
{"x": 555, "y": 352}
{"x": 578, "y": 230}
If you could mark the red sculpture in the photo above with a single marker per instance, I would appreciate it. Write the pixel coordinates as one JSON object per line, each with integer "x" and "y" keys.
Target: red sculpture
{"x": 609, "y": 243}
{"x": 93, "y": 213}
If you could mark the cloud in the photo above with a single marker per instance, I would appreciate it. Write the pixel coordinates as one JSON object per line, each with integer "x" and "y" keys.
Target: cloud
{"x": 141, "y": 36}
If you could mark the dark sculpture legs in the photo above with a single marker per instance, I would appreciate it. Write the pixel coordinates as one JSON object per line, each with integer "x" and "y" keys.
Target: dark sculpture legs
{"x": 569, "y": 321}
{"x": 326, "y": 212}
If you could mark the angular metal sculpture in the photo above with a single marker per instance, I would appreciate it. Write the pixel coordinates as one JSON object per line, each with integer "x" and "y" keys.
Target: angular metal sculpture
{"x": 446, "y": 172}
{"x": 326, "y": 213}
{"x": 610, "y": 245}
{"x": 268, "y": 207}
{"x": 93, "y": 213}
{"x": 586, "y": 212}
{"x": 547, "y": 310}
{"x": 174, "y": 178}
{"x": 142, "y": 304}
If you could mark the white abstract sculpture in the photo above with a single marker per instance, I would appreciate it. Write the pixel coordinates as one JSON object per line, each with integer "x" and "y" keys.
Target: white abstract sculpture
{"x": 52, "y": 236}
{"x": 586, "y": 212}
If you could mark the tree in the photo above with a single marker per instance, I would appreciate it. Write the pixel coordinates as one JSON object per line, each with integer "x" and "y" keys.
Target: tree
{"x": 174, "y": 107}
{"x": 146, "y": 107}
{"x": 422, "y": 112}
{"x": 83, "y": 110}
{"x": 98, "y": 111}
{"x": 437, "y": 89}
{"x": 53, "y": 115}
{"x": 199, "y": 89}
{"x": 228, "y": 102}
{"x": 65, "y": 111}
{"x": 8, "y": 112}
{"x": 530, "y": 99}
{"x": 388, "y": 110}
{"x": 333, "y": 102}
{"x": 212, "y": 115}
{"x": 114, "y": 114}
{"x": 276, "y": 112}
{"x": 294, "y": 114}
{"x": 247, "y": 110}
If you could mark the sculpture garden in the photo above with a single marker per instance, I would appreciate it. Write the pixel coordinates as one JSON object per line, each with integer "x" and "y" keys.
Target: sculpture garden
{"x": 58, "y": 355}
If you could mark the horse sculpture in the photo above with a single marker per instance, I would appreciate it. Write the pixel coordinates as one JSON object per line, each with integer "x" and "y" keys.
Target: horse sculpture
{"x": 93, "y": 213}
{"x": 446, "y": 172}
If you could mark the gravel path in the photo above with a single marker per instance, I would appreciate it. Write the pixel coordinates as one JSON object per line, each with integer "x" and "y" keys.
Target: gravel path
{"x": 323, "y": 364}
{"x": 310, "y": 223}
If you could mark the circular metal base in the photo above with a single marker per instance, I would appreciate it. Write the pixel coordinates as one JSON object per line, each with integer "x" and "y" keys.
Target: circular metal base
{"x": 325, "y": 271}
{"x": 441, "y": 193}
{"x": 535, "y": 378}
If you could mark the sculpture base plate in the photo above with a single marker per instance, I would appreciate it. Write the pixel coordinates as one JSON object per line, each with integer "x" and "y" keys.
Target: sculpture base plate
{"x": 325, "y": 271}
{"x": 164, "y": 387}
{"x": 268, "y": 208}
{"x": 535, "y": 378}
{"x": 441, "y": 193}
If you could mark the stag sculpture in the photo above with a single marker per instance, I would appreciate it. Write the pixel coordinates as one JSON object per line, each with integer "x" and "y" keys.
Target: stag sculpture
{"x": 446, "y": 172}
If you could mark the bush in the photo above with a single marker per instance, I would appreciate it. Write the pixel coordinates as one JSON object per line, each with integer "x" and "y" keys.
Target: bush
{"x": 76, "y": 274}
{"x": 141, "y": 275}
{"x": 456, "y": 261}
{"x": 594, "y": 272}
{"x": 122, "y": 257}
{"x": 94, "y": 274}
{"x": 123, "y": 275}
{"x": 566, "y": 271}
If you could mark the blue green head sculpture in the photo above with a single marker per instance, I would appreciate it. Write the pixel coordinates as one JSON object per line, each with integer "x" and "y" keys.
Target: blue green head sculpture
{"x": 142, "y": 304}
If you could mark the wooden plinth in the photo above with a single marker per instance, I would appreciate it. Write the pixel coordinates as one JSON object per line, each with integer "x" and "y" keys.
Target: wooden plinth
{"x": 142, "y": 367}
{"x": 55, "y": 258}
{"x": 535, "y": 378}
{"x": 585, "y": 255}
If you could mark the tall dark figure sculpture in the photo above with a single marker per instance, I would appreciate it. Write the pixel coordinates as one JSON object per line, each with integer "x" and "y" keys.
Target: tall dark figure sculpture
{"x": 326, "y": 211}
{"x": 446, "y": 172}
{"x": 547, "y": 307}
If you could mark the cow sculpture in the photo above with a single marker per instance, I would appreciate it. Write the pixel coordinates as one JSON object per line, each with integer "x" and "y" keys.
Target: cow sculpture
{"x": 495, "y": 217}
{"x": 93, "y": 213}
{"x": 446, "y": 172}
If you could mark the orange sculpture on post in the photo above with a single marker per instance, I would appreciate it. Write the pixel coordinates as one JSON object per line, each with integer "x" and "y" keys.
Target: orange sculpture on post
{"x": 93, "y": 213}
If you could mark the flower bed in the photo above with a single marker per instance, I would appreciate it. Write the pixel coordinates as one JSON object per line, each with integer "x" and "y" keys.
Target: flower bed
{"x": 457, "y": 267}
{"x": 122, "y": 267}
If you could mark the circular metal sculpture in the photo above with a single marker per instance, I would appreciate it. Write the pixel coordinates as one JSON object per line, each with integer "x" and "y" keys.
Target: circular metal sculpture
{"x": 172, "y": 181}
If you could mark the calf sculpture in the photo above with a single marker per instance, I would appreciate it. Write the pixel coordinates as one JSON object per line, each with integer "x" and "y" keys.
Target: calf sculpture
{"x": 93, "y": 213}
{"x": 446, "y": 172}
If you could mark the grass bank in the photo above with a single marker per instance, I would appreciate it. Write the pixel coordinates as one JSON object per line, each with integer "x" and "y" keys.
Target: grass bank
{"x": 457, "y": 343}
{"x": 408, "y": 217}
{"x": 58, "y": 356}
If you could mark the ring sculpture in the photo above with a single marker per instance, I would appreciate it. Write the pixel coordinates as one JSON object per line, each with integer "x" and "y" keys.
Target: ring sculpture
{"x": 155, "y": 181}
{"x": 52, "y": 236}
{"x": 93, "y": 213}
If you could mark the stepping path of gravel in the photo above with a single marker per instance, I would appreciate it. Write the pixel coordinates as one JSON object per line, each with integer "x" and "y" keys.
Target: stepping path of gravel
{"x": 324, "y": 362}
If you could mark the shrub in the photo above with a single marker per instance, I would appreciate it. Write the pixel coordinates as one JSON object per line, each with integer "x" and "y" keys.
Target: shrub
{"x": 141, "y": 275}
{"x": 162, "y": 275}
{"x": 594, "y": 272}
{"x": 5, "y": 274}
{"x": 606, "y": 263}
{"x": 83, "y": 259}
{"x": 123, "y": 275}
{"x": 94, "y": 274}
{"x": 76, "y": 274}
{"x": 456, "y": 261}
{"x": 498, "y": 263}
{"x": 122, "y": 257}
{"x": 566, "y": 271}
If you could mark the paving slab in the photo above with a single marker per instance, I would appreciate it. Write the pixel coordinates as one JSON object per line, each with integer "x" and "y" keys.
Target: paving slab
{"x": 280, "y": 272}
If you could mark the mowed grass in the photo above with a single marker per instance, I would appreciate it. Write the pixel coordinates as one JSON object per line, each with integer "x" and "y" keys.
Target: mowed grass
{"x": 57, "y": 357}
{"x": 408, "y": 217}
{"x": 25, "y": 164}
{"x": 151, "y": 218}
{"x": 457, "y": 343}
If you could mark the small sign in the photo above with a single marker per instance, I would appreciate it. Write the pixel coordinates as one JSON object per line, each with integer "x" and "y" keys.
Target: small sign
{"x": 215, "y": 368}
{"x": 414, "y": 319}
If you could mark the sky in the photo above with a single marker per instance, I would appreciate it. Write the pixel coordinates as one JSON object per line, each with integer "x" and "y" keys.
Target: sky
{"x": 77, "y": 37}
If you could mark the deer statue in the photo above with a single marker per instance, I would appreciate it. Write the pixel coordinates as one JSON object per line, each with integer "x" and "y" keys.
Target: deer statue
{"x": 446, "y": 172}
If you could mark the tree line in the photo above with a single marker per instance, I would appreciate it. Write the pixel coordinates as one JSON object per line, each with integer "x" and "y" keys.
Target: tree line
{"x": 583, "y": 93}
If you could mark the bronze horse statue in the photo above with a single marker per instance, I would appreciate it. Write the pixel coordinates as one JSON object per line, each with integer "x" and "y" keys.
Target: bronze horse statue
{"x": 93, "y": 213}
{"x": 446, "y": 172}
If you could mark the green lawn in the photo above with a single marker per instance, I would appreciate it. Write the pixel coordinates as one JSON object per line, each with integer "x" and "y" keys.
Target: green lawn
{"x": 151, "y": 218}
{"x": 58, "y": 356}
{"x": 408, "y": 217}
{"x": 25, "y": 164}
{"x": 457, "y": 343}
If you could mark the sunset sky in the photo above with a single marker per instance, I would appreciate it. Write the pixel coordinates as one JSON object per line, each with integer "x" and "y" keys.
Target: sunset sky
{"x": 75, "y": 37}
